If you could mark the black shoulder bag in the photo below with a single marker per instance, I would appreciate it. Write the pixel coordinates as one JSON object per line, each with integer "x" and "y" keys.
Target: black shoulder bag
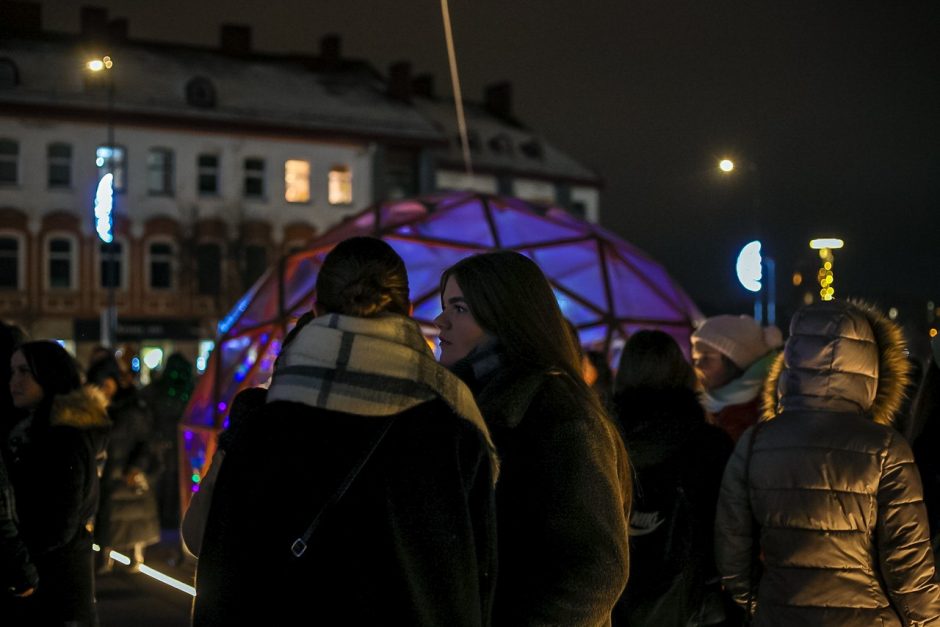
{"x": 299, "y": 545}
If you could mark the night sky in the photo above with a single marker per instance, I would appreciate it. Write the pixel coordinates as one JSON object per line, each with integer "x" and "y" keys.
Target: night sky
{"x": 834, "y": 104}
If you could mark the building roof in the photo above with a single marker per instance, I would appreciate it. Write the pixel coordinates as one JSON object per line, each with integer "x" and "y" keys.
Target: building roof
{"x": 150, "y": 80}
{"x": 499, "y": 144}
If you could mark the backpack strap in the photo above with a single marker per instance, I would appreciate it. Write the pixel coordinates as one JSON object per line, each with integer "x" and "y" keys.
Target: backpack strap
{"x": 299, "y": 545}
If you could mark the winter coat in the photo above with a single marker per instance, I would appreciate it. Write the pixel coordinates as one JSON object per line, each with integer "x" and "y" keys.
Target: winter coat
{"x": 833, "y": 490}
{"x": 561, "y": 502}
{"x": 17, "y": 571}
{"x": 55, "y": 480}
{"x": 678, "y": 461}
{"x": 128, "y": 513}
{"x": 412, "y": 541}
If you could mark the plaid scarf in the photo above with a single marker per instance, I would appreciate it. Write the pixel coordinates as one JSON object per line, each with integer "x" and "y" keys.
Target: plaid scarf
{"x": 377, "y": 366}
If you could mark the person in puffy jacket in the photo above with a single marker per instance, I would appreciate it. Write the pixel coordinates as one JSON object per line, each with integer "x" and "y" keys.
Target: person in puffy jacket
{"x": 821, "y": 519}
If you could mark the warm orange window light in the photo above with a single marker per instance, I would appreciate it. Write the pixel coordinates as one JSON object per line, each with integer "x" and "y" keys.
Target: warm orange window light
{"x": 340, "y": 185}
{"x": 296, "y": 180}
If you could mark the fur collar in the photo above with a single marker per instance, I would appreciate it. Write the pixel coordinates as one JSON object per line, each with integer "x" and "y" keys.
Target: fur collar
{"x": 84, "y": 408}
{"x": 893, "y": 368}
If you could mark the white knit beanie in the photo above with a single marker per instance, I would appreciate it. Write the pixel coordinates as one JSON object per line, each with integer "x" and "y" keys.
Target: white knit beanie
{"x": 740, "y": 338}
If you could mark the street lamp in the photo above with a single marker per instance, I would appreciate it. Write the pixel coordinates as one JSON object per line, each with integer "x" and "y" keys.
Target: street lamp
{"x": 751, "y": 265}
{"x": 825, "y": 276}
{"x": 104, "y": 206}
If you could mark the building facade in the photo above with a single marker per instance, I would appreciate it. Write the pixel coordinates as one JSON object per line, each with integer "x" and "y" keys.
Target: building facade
{"x": 221, "y": 161}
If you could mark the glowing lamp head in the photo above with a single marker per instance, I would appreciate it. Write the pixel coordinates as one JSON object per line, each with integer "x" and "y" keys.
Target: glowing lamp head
{"x": 826, "y": 242}
{"x": 96, "y": 65}
{"x": 726, "y": 165}
{"x": 748, "y": 267}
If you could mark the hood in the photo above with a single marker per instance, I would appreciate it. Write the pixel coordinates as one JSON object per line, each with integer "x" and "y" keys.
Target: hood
{"x": 83, "y": 408}
{"x": 842, "y": 356}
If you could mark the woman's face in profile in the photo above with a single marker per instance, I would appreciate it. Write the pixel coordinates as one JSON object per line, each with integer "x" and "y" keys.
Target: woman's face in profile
{"x": 460, "y": 332}
{"x": 26, "y": 392}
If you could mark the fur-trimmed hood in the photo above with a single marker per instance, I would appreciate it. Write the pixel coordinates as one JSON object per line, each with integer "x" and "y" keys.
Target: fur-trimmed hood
{"x": 842, "y": 356}
{"x": 83, "y": 408}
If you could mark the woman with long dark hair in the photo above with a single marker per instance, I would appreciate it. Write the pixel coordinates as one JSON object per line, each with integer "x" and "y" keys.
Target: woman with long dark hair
{"x": 678, "y": 460}
{"x": 562, "y": 501}
{"x": 53, "y": 467}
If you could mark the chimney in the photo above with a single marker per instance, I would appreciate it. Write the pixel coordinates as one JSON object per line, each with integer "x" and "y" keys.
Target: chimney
{"x": 330, "y": 49}
{"x": 94, "y": 23}
{"x": 399, "y": 81}
{"x": 235, "y": 39}
{"x": 423, "y": 85}
{"x": 20, "y": 18}
{"x": 117, "y": 31}
{"x": 497, "y": 99}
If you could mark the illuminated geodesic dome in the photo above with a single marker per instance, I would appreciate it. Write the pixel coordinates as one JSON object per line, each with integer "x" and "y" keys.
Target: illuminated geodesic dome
{"x": 607, "y": 287}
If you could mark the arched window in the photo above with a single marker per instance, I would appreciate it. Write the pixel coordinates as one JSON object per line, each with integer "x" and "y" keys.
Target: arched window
{"x": 111, "y": 267}
{"x": 59, "y": 160}
{"x": 160, "y": 264}
{"x": 61, "y": 268}
{"x": 10, "y": 262}
{"x": 340, "y": 185}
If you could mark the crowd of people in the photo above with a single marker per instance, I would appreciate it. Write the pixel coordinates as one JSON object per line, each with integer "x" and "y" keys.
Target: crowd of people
{"x": 514, "y": 480}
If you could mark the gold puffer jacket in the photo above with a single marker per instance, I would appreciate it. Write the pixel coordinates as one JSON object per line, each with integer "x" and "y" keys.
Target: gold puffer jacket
{"x": 830, "y": 488}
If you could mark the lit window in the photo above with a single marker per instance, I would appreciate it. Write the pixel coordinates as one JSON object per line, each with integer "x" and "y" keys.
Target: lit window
{"x": 161, "y": 266}
{"x": 340, "y": 185}
{"x": 111, "y": 161}
{"x": 208, "y": 168}
{"x": 59, "y": 158}
{"x": 296, "y": 181}
{"x": 160, "y": 172}
{"x": 111, "y": 258}
{"x": 254, "y": 178}
{"x": 9, "y": 263}
{"x": 60, "y": 263}
{"x": 9, "y": 160}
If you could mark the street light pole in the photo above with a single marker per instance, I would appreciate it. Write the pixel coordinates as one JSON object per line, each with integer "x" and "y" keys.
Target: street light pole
{"x": 104, "y": 207}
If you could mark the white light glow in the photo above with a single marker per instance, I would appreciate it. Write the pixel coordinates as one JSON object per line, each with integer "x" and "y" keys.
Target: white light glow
{"x": 726, "y": 165}
{"x": 748, "y": 267}
{"x": 826, "y": 242}
{"x": 103, "y": 203}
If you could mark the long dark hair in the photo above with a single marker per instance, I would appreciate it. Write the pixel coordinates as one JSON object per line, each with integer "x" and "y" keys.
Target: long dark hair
{"x": 653, "y": 359}
{"x": 363, "y": 276}
{"x": 54, "y": 369}
{"x": 511, "y": 299}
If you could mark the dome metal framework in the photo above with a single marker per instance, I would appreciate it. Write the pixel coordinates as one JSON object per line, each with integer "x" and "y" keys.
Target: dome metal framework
{"x": 607, "y": 287}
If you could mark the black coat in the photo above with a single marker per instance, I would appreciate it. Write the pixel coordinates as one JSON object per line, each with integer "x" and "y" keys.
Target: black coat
{"x": 673, "y": 452}
{"x": 55, "y": 480}
{"x": 410, "y": 543}
{"x": 560, "y": 502}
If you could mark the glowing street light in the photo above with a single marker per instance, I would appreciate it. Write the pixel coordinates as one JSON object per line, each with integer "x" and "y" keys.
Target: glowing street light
{"x": 825, "y": 275}
{"x": 104, "y": 205}
{"x": 750, "y": 268}
{"x": 726, "y": 165}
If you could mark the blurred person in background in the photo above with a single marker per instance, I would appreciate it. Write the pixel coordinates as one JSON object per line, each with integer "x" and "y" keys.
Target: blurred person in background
{"x": 732, "y": 356}
{"x": 678, "y": 461}
{"x": 52, "y": 461}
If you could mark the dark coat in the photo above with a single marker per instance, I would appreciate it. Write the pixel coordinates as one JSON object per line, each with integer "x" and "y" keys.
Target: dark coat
{"x": 562, "y": 502}
{"x": 55, "y": 480}
{"x": 673, "y": 451}
{"x": 17, "y": 571}
{"x": 842, "y": 527}
{"x": 128, "y": 513}
{"x": 410, "y": 543}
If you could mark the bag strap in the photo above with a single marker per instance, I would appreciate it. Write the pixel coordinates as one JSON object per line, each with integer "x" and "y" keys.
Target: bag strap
{"x": 755, "y": 527}
{"x": 299, "y": 545}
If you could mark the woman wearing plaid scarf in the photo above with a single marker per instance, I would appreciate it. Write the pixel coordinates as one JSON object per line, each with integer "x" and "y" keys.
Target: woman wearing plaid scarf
{"x": 563, "y": 496}
{"x": 295, "y": 534}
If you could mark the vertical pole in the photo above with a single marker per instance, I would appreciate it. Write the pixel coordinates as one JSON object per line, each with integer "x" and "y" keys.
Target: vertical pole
{"x": 110, "y": 256}
{"x": 771, "y": 291}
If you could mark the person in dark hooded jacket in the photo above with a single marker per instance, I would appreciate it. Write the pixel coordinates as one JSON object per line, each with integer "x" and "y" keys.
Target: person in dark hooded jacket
{"x": 678, "y": 459}
{"x": 824, "y": 490}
